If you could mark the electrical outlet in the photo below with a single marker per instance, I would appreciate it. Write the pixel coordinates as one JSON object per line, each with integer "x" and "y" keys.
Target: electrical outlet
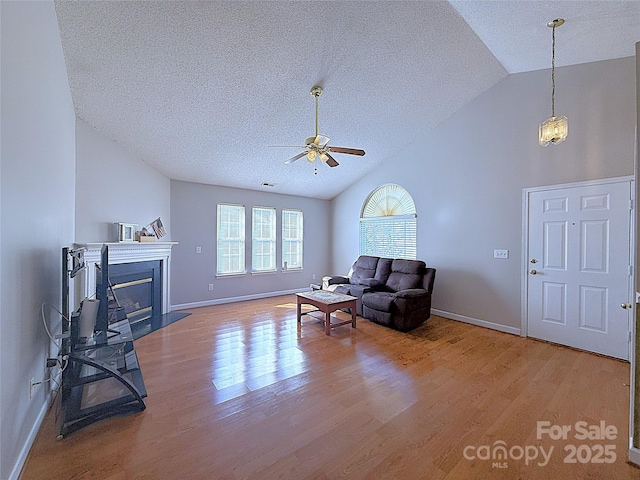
{"x": 501, "y": 254}
{"x": 198, "y": 249}
{"x": 313, "y": 276}
{"x": 210, "y": 286}
{"x": 32, "y": 383}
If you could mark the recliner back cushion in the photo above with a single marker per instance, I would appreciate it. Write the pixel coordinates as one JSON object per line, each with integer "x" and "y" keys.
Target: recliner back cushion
{"x": 414, "y": 267}
{"x": 383, "y": 269}
{"x": 402, "y": 281}
{"x": 365, "y": 267}
{"x": 405, "y": 274}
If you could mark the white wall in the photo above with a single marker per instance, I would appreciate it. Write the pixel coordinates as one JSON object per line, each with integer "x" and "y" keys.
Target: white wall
{"x": 193, "y": 213}
{"x": 115, "y": 186}
{"x": 37, "y": 213}
{"x": 467, "y": 176}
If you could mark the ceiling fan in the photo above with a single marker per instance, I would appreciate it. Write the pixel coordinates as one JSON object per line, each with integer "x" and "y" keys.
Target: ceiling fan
{"x": 317, "y": 147}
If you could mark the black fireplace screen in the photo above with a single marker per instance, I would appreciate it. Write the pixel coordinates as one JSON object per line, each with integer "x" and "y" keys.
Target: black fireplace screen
{"x": 136, "y": 297}
{"x": 138, "y": 288}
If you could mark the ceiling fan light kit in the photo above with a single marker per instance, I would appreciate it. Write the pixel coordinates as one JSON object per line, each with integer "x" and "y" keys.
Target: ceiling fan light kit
{"x": 317, "y": 147}
{"x": 311, "y": 156}
{"x": 554, "y": 129}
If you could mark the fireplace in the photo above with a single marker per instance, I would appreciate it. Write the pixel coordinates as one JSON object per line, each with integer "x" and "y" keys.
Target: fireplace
{"x": 137, "y": 287}
{"x": 139, "y": 262}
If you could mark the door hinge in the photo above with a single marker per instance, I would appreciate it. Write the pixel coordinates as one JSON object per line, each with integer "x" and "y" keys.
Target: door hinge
{"x": 630, "y": 270}
{"x": 629, "y": 337}
{"x": 631, "y": 204}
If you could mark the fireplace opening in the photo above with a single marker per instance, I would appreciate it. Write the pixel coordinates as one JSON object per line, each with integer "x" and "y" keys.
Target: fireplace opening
{"x": 136, "y": 298}
{"x": 137, "y": 288}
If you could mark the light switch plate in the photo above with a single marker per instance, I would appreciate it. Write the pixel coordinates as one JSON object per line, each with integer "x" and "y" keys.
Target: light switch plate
{"x": 501, "y": 254}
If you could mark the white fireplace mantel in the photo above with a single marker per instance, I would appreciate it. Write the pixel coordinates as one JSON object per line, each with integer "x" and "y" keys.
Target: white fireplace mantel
{"x": 127, "y": 252}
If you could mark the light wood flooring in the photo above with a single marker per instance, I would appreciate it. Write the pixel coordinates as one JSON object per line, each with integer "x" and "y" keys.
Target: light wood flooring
{"x": 238, "y": 391}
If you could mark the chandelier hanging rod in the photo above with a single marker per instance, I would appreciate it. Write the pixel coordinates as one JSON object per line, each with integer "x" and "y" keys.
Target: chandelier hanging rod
{"x": 553, "y": 24}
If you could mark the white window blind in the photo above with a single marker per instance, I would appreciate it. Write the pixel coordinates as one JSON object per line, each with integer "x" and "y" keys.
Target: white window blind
{"x": 263, "y": 239}
{"x": 292, "y": 239}
{"x": 230, "y": 239}
{"x": 391, "y": 237}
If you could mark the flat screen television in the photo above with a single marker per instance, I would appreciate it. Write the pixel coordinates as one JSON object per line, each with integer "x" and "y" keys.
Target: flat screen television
{"x": 102, "y": 290}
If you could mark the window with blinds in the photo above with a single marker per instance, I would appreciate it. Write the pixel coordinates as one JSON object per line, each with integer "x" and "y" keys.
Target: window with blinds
{"x": 292, "y": 239}
{"x": 230, "y": 239}
{"x": 388, "y": 224}
{"x": 263, "y": 239}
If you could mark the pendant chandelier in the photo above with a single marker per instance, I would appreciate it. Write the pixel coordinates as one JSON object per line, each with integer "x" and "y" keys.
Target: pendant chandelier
{"x": 554, "y": 129}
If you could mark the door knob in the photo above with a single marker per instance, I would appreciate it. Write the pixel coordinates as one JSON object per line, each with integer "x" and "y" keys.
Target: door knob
{"x": 533, "y": 260}
{"x": 533, "y": 272}
{"x": 626, "y": 306}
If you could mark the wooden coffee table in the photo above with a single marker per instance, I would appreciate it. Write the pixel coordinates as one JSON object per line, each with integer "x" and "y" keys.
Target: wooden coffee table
{"x": 328, "y": 302}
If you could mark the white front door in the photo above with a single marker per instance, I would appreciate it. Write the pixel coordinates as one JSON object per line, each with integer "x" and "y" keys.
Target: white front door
{"x": 578, "y": 266}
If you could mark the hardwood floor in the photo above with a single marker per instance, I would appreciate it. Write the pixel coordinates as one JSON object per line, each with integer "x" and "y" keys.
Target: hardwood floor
{"x": 238, "y": 391}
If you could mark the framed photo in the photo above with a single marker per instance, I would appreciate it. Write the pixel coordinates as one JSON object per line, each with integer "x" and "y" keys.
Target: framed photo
{"x": 127, "y": 232}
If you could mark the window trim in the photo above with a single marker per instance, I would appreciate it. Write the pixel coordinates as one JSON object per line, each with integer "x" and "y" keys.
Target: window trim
{"x": 273, "y": 241}
{"x": 389, "y": 198}
{"x": 241, "y": 239}
{"x": 300, "y": 240}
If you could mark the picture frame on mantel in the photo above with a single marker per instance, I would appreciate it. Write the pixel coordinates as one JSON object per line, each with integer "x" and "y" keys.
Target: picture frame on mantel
{"x": 126, "y": 232}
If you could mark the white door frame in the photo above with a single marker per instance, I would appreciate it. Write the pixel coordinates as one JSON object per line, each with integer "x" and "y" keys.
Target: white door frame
{"x": 525, "y": 242}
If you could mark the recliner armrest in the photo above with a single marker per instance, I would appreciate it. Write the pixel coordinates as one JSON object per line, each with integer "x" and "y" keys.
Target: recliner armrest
{"x": 372, "y": 282}
{"x": 411, "y": 302}
{"x": 333, "y": 279}
{"x": 411, "y": 293}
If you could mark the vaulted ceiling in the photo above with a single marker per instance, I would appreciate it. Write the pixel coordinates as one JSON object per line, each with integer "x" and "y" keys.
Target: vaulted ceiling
{"x": 202, "y": 91}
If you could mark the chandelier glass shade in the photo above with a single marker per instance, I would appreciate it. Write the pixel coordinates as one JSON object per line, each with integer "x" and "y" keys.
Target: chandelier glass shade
{"x": 554, "y": 129}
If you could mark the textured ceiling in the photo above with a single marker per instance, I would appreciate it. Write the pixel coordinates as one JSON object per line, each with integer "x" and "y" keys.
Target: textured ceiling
{"x": 202, "y": 90}
{"x": 516, "y": 32}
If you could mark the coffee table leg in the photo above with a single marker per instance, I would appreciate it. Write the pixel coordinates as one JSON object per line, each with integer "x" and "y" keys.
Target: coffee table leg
{"x": 327, "y": 321}
{"x": 353, "y": 316}
{"x": 299, "y": 310}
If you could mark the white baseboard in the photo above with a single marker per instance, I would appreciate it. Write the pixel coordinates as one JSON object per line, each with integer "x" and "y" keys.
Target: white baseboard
{"x": 220, "y": 301}
{"x": 26, "y": 448}
{"x": 477, "y": 322}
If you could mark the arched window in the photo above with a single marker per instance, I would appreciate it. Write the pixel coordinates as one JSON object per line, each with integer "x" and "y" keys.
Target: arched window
{"x": 388, "y": 223}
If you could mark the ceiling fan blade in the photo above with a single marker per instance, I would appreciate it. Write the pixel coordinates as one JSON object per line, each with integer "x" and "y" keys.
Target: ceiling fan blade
{"x": 331, "y": 161}
{"x": 349, "y": 151}
{"x": 321, "y": 140}
{"x": 293, "y": 159}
